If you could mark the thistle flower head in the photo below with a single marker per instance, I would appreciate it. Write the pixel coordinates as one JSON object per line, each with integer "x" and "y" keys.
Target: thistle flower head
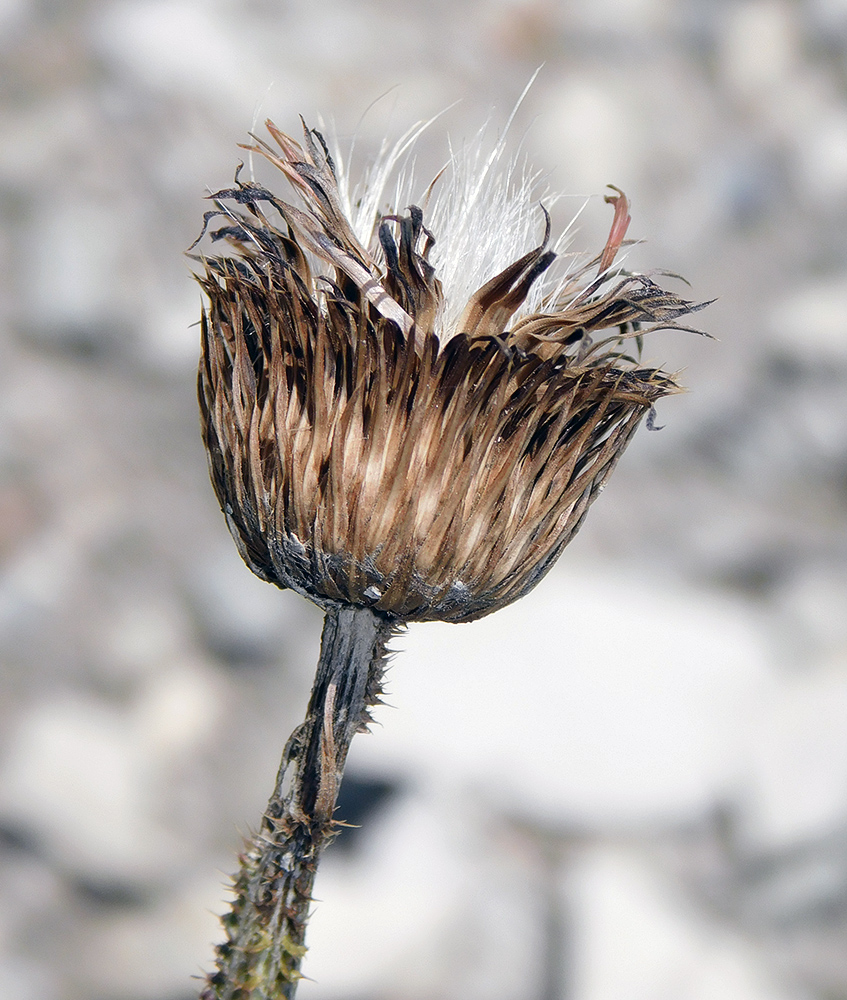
{"x": 373, "y": 444}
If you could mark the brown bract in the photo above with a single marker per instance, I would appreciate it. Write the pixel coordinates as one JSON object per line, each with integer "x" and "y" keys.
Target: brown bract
{"x": 359, "y": 457}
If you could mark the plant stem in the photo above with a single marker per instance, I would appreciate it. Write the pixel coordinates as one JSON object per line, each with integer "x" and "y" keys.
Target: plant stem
{"x": 266, "y": 925}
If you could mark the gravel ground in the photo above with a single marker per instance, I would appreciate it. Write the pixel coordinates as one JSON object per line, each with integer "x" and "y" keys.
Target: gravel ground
{"x": 672, "y": 823}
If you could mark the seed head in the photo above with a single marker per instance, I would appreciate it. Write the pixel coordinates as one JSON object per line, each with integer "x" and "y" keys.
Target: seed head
{"x": 368, "y": 450}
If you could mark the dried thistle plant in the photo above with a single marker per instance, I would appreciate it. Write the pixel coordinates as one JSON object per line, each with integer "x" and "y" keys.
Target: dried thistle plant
{"x": 395, "y": 455}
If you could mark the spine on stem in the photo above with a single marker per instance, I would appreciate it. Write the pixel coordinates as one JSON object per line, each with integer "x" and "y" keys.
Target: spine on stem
{"x": 266, "y": 925}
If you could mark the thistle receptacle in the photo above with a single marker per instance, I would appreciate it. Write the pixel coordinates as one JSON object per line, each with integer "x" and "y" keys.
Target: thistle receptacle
{"x": 394, "y": 454}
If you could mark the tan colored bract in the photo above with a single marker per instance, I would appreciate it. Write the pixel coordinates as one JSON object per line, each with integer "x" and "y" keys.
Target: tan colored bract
{"x": 364, "y": 457}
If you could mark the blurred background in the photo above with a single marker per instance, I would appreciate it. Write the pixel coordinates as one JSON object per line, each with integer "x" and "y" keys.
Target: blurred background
{"x": 631, "y": 784}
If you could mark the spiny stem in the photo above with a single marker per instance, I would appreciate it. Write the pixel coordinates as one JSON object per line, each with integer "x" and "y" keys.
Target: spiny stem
{"x": 266, "y": 926}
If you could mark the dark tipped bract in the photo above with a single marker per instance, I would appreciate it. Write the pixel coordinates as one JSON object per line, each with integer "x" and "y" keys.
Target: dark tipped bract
{"x": 364, "y": 456}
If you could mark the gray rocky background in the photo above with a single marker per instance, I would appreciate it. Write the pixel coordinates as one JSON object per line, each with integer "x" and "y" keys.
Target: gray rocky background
{"x": 630, "y": 786}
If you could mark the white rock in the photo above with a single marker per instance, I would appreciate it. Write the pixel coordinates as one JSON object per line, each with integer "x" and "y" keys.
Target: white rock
{"x": 243, "y": 616}
{"x": 812, "y": 604}
{"x": 169, "y": 331}
{"x": 441, "y": 903}
{"x": 596, "y": 699}
{"x": 635, "y": 936}
{"x": 27, "y": 980}
{"x": 178, "y": 710}
{"x": 831, "y": 14}
{"x": 610, "y": 142}
{"x": 811, "y": 321}
{"x": 796, "y": 787}
{"x": 144, "y": 633}
{"x": 76, "y": 777}
{"x": 627, "y": 17}
{"x": 425, "y": 908}
{"x": 12, "y": 12}
{"x": 38, "y": 576}
{"x": 820, "y": 149}
{"x": 71, "y": 256}
{"x": 185, "y": 48}
{"x": 154, "y": 953}
{"x": 759, "y": 45}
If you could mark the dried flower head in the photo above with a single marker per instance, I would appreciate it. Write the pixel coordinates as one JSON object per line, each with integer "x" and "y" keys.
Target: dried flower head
{"x": 373, "y": 442}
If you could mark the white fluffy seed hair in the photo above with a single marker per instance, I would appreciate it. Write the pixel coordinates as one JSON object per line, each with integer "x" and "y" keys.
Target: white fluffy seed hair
{"x": 484, "y": 209}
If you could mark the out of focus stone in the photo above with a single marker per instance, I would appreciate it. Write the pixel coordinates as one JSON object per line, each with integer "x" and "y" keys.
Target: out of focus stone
{"x": 142, "y": 635}
{"x": 71, "y": 298}
{"x": 214, "y": 60}
{"x": 76, "y": 780}
{"x": 178, "y": 710}
{"x": 431, "y": 870}
{"x": 241, "y": 619}
{"x": 635, "y": 935}
{"x": 796, "y": 787}
{"x": 812, "y": 603}
{"x": 12, "y": 12}
{"x": 33, "y": 899}
{"x": 759, "y": 45}
{"x": 809, "y": 323}
{"x": 602, "y": 700}
{"x": 821, "y": 155}
{"x": 27, "y": 980}
{"x": 599, "y": 111}
{"x": 153, "y": 953}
